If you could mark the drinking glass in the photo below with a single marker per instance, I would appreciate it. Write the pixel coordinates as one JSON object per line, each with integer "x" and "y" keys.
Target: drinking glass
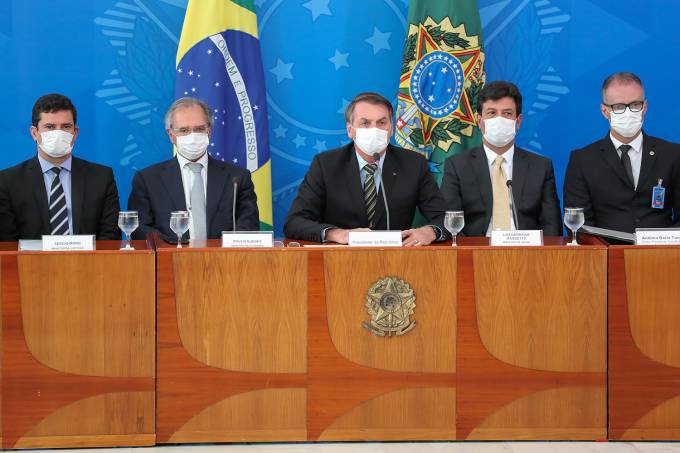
{"x": 574, "y": 219}
{"x": 454, "y": 221}
{"x": 179, "y": 223}
{"x": 128, "y": 221}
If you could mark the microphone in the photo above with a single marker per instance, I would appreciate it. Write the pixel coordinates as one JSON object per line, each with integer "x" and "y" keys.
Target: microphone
{"x": 376, "y": 157}
{"x": 512, "y": 203}
{"x": 234, "y": 182}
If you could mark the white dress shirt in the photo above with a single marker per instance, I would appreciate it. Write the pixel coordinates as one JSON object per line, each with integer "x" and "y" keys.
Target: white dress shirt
{"x": 635, "y": 154}
{"x": 507, "y": 169}
{"x": 188, "y": 181}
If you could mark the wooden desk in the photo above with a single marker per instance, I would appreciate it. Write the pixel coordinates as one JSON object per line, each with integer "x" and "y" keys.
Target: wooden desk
{"x": 644, "y": 343}
{"x": 77, "y": 347}
{"x": 268, "y": 345}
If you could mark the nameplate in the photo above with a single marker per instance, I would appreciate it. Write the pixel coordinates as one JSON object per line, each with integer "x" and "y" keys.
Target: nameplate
{"x": 375, "y": 238}
{"x": 657, "y": 236}
{"x": 76, "y": 242}
{"x": 517, "y": 237}
{"x": 238, "y": 239}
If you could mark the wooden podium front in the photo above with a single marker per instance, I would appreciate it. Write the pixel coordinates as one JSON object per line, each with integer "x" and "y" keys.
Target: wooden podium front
{"x": 644, "y": 343}
{"x": 270, "y": 345}
{"x": 77, "y": 347}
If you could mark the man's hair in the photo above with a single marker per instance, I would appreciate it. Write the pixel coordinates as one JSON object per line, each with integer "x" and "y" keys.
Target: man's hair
{"x": 183, "y": 103}
{"x": 50, "y": 103}
{"x": 499, "y": 89}
{"x": 371, "y": 98}
{"x": 621, "y": 77}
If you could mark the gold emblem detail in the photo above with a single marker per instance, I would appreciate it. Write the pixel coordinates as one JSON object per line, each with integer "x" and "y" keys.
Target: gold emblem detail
{"x": 390, "y": 303}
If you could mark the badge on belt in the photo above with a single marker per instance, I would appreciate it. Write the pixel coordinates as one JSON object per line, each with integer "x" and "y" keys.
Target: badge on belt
{"x": 658, "y": 195}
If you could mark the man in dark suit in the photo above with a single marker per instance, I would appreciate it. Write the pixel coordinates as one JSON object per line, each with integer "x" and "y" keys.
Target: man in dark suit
{"x": 613, "y": 179}
{"x": 476, "y": 180}
{"x": 54, "y": 192}
{"x": 342, "y": 190}
{"x": 193, "y": 181}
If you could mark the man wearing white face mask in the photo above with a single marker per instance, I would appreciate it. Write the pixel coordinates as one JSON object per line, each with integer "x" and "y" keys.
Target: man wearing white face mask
{"x": 343, "y": 189}
{"x": 628, "y": 179}
{"x": 193, "y": 181}
{"x": 54, "y": 192}
{"x": 476, "y": 180}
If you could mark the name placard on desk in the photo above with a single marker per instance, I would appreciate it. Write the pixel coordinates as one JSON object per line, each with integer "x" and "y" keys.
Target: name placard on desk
{"x": 247, "y": 239}
{"x": 517, "y": 237}
{"x": 76, "y": 242}
{"x": 375, "y": 238}
{"x": 657, "y": 236}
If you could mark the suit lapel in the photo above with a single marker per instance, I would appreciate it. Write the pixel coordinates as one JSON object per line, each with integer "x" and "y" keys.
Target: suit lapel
{"x": 37, "y": 182}
{"x": 216, "y": 182}
{"x": 612, "y": 159}
{"x": 171, "y": 175}
{"x": 648, "y": 159}
{"x": 78, "y": 187}
{"x": 520, "y": 167}
{"x": 354, "y": 187}
{"x": 481, "y": 168}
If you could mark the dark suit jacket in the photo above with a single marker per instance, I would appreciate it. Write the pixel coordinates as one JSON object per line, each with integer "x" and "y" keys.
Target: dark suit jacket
{"x": 467, "y": 187}
{"x": 596, "y": 182}
{"x": 157, "y": 191}
{"x": 331, "y": 195}
{"x": 24, "y": 213}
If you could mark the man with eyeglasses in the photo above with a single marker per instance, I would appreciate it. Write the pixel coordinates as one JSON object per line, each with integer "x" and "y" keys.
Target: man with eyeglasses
{"x": 193, "y": 181}
{"x": 54, "y": 192}
{"x": 628, "y": 179}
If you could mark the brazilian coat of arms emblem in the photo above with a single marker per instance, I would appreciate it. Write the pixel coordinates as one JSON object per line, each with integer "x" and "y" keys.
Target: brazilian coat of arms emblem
{"x": 442, "y": 74}
{"x": 390, "y": 303}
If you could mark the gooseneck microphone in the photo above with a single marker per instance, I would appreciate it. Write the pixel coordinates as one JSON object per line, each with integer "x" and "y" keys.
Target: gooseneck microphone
{"x": 234, "y": 182}
{"x": 513, "y": 208}
{"x": 376, "y": 157}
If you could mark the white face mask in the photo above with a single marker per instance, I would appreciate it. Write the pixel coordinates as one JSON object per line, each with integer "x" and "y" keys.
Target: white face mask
{"x": 192, "y": 146}
{"x": 626, "y": 124}
{"x": 56, "y": 143}
{"x": 371, "y": 140}
{"x": 499, "y": 131}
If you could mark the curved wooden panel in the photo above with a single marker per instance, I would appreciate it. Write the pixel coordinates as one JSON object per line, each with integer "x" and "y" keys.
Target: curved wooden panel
{"x": 110, "y": 414}
{"x": 255, "y": 300}
{"x": 653, "y": 303}
{"x": 257, "y": 416}
{"x": 413, "y": 414}
{"x": 543, "y": 309}
{"x": 432, "y": 276}
{"x": 566, "y": 413}
{"x": 651, "y": 425}
{"x": 90, "y": 314}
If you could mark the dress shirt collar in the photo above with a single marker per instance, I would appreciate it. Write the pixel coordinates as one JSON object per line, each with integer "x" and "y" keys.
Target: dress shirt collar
{"x": 47, "y": 166}
{"x": 363, "y": 162}
{"x": 635, "y": 145}
{"x": 203, "y": 160}
{"x": 491, "y": 155}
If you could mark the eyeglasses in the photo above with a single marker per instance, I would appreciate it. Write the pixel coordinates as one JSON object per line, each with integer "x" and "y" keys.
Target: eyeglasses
{"x": 635, "y": 106}
{"x": 188, "y": 130}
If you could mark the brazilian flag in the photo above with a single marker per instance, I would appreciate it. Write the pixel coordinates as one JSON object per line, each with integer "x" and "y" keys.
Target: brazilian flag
{"x": 441, "y": 76}
{"x": 219, "y": 61}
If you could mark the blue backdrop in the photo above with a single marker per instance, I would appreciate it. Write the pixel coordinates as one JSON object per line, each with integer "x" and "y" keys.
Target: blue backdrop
{"x": 115, "y": 59}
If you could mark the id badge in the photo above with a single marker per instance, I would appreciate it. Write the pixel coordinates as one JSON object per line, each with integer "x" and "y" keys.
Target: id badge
{"x": 658, "y": 195}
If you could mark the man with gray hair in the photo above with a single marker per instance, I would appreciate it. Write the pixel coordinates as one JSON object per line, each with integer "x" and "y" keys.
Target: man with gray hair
{"x": 193, "y": 181}
{"x": 628, "y": 179}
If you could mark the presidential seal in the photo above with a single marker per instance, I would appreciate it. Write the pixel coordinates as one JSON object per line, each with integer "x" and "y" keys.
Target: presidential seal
{"x": 390, "y": 303}
{"x": 442, "y": 74}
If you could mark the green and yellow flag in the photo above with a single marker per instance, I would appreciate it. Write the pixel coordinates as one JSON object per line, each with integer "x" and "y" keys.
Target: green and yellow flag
{"x": 441, "y": 76}
{"x": 219, "y": 61}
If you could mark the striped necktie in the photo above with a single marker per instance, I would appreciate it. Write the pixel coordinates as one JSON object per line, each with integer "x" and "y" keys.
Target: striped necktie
{"x": 57, "y": 203}
{"x": 370, "y": 194}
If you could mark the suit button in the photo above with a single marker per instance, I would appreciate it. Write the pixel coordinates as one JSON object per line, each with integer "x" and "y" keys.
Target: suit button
{"x": 637, "y": 220}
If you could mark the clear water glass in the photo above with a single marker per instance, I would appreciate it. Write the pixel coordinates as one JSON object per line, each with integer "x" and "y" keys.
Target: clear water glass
{"x": 128, "y": 221}
{"x": 454, "y": 221}
{"x": 574, "y": 219}
{"x": 179, "y": 223}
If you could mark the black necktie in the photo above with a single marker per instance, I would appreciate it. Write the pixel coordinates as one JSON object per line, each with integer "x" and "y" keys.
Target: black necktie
{"x": 370, "y": 194}
{"x": 625, "y": 160}
{"x": 57, "y": 203}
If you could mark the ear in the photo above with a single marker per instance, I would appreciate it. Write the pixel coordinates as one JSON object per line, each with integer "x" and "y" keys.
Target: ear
{"x": 606, "y": 113}
{"x": 644, "y": 110}
{"x": 480, "y": 122}
{"x": 518, "y": 122}
{"x": 172, "y": 136}
{"x": 35, "y": 135}
{"x": 76, "y": 131}
{"x": 349, "y": 131}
